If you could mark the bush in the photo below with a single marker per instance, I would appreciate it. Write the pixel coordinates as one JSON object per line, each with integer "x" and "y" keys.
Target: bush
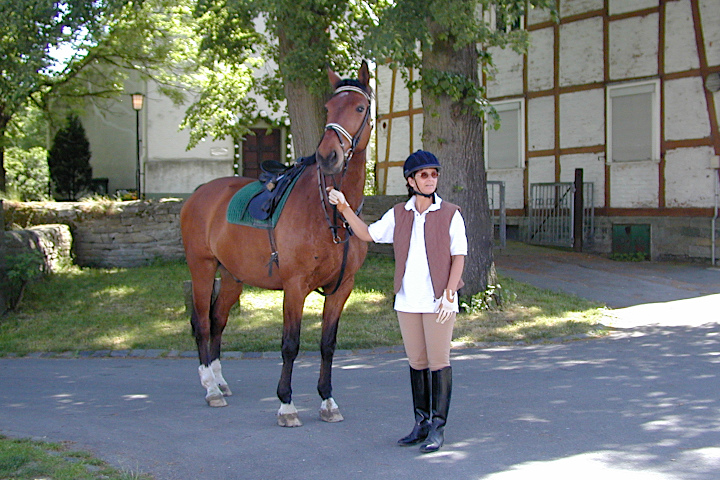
{"x": 495, "y": 297}
{"x": 28, "y": 175}
{"x": 69, "y": 161}
{"x": 20, "y": 270}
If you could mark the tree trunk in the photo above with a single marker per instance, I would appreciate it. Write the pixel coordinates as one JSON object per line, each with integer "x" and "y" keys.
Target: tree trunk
{"x": 307, "y": 117}
{"x": 4, "y": 120}
{"x": 306, "y": 110}
{"x": 456, "y": 137}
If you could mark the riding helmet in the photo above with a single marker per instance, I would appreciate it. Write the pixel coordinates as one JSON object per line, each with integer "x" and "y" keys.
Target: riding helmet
{"x": 419, "y": 160}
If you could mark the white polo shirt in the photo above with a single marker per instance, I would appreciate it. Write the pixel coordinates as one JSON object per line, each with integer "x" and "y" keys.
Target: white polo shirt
{"x": 416, "y": 294}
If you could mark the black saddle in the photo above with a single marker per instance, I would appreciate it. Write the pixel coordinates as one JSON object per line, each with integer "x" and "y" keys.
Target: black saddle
{"x": 276, "y": 178}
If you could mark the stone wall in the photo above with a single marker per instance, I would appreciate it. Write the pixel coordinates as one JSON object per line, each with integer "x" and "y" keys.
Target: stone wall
{"x": 128, "y": 234}
{"x": 53, "y": 242}
{"x": 113, "y": 234}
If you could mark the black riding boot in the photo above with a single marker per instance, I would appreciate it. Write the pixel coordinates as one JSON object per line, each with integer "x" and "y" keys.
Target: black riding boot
{"x": 420, "y": 384}
{"x": 441, "y": 392}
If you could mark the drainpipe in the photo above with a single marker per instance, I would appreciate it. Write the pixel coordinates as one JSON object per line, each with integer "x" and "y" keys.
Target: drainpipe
{"x": 716, "y": 162}
{"x": 715, "y": 215}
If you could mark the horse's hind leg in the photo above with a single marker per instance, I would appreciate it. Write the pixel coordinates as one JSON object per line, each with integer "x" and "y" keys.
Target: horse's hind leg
{"x": 202, "y": 274}
{"x": 230, "y": 290}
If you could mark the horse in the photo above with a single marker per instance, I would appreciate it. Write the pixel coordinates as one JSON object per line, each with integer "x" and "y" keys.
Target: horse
{"x": 313, "y": 249}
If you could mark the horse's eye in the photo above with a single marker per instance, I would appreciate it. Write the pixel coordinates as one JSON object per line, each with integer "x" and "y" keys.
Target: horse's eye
{"x": 360, "y": 109}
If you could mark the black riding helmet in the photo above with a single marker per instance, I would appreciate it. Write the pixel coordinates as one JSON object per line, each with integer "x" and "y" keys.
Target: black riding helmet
{"x": 419, "y": 160}
{"x": 416, "y": 162}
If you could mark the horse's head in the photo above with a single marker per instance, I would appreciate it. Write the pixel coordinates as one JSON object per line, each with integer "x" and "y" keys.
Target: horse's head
{"x": 349, "y": 121}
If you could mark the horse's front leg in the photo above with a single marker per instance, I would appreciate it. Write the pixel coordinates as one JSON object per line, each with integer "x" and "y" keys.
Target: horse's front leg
{"x": 229, "y": 292}
{"x": 203, "y": 274}
{"x": 293, "y": 302}
{"x": 334, "y": 304}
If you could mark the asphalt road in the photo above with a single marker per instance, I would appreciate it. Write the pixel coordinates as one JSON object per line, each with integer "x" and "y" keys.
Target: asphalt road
{"x": 640, "y": 404}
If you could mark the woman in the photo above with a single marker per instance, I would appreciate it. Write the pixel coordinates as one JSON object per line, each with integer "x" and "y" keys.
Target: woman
{"x": 428, "y": 237}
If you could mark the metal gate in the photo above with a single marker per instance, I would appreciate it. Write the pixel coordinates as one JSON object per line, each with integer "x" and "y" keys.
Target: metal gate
{"x": 551, "y": 213}
{"x": 496, "y": 203}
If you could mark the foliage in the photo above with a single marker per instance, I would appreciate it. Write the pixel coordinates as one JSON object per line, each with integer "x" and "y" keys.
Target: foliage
{"x": 27, "y": 129}
{"x": 103, "y": 44}
{"x": 28, "y": 176}
{"x": 20, "y": 270}
{"x": 495, "y": 297}
{"x": 69, "y": 160}
{"x": 255, "y": 48}
{"x": 31, "y": 32}
{"x": 485, "y": 23}
{"x": 629, "y": 257}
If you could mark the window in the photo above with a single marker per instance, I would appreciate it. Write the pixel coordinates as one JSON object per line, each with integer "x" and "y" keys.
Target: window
{"x": 633, "y": 122}
{"x": 505, "y": 147}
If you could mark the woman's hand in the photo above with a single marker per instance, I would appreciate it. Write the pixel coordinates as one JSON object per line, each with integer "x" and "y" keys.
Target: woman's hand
{"x": 337, "y": 198}
{"x": 448, "y": 302}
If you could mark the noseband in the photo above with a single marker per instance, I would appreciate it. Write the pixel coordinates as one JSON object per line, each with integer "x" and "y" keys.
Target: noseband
{"x": 341, "y": 132}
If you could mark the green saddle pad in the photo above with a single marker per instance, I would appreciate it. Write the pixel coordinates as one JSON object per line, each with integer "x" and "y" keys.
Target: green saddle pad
{"x": 238, "y": 213}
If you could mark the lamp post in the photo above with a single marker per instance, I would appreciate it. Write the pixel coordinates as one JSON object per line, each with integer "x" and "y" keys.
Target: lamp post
{"x": 137, "y": 104}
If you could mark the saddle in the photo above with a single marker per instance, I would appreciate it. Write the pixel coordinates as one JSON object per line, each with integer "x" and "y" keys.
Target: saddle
{"x": 259, "y": 203}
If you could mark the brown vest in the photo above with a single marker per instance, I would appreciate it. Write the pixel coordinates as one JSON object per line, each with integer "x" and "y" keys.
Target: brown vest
{"x": 437, "y": 243}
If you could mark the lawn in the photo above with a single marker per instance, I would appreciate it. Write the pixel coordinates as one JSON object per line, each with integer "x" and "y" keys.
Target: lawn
{"x": 144, "y": 308}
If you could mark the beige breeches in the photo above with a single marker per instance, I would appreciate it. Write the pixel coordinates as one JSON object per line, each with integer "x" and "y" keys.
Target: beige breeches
{"x": 427, "y": 342}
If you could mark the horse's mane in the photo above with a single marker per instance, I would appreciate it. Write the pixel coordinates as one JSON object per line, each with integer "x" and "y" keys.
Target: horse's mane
{"x": 355, "y": 83}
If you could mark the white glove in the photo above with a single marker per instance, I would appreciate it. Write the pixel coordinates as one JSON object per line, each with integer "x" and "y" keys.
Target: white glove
{"x": 447, "y": 306}
{"x": 337, "y": 198}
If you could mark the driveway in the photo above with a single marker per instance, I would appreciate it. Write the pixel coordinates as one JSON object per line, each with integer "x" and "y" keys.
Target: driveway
{"x": 639, "y": 293}
{"x": 640, "y": 404}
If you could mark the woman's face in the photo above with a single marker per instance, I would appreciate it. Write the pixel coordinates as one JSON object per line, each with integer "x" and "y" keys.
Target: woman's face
{"x": 425, "y": 180}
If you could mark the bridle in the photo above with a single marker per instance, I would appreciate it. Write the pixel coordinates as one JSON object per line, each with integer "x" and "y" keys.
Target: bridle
{"x": 341, "y": 132}
{"x": 333, "y": 223}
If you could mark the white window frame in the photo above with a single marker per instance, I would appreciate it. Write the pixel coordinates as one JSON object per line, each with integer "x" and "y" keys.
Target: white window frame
{"x": 517, "y": 104}
{"x": 626, "y": 89}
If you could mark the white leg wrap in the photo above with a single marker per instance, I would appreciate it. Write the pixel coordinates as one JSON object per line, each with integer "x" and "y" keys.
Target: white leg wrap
{"x": 287, "y": 416}
{"x": 287, "y": 408}
{"x": 214, "y": 396}
{"x": 222, "y": 383}
{"x": 330, "y": 412}
{"x": 329, "y": 404}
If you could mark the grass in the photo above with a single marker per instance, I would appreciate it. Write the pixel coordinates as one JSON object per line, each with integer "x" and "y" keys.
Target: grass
{"x": 143, "y": 308}
{"x": 30, "y": 460}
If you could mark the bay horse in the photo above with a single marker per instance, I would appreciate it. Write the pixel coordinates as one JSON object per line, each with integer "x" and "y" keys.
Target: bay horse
{"x": 314, "y": 251}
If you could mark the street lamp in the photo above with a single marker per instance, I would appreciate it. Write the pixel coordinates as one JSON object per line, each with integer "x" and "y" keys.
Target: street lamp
{"x": 137, "y": 104}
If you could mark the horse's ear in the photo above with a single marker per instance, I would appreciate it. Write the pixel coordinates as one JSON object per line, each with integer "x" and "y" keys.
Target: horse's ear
{"x": 364, "y": 74}
{"x": 333, "y": 77}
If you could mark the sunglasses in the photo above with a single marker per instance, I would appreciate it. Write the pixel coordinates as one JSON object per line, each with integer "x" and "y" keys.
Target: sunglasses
{"x": 433, "y": 174}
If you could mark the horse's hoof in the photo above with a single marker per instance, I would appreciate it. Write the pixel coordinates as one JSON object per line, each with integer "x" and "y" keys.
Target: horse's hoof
{"x": 216, "y": 401}
{"x": 225, "y": 389}
{"x": 289, "y": 420}
{"x": 332, "y": 416}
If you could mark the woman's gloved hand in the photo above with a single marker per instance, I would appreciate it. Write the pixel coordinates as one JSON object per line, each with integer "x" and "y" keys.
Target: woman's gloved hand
{"x": 337, "y": 198}
{"x": 447, "y": 306}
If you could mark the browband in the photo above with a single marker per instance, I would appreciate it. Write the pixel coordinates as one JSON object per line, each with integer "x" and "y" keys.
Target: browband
{"x": 351, "y": 88}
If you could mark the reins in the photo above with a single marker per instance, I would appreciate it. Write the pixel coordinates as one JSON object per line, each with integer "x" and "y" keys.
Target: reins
{"x": 333, "y": 223}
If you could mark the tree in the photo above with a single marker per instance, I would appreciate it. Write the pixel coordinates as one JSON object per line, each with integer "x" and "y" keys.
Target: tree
{"x": 31, "y": 28}
{"x": 107, "y": 39}
{"x": 298, "y": 40}
{"x": 69, "y": 161}
{"x": 454, "y": 39}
